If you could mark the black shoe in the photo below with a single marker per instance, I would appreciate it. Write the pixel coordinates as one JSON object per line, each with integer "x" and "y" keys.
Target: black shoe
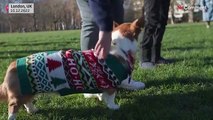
{"x": 163, "y": 61}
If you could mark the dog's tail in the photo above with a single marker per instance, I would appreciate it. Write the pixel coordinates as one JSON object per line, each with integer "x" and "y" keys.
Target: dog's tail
{"x": 3, "y": 93}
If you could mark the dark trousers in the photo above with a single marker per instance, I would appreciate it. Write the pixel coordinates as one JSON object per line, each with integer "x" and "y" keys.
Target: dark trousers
{"x": 156, "y": 16}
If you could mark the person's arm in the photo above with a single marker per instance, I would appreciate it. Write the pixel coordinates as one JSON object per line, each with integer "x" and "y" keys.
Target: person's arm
{"x": 103, "y": 16}
{"x": 204, "y": 2}
{"x": 203, "y": 5}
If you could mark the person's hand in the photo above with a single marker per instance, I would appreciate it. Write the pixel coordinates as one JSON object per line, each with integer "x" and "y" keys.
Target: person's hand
{"x": 102, "y": 47}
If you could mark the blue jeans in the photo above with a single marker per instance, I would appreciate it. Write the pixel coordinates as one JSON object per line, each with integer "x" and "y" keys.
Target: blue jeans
{"x": 90, "y": 30}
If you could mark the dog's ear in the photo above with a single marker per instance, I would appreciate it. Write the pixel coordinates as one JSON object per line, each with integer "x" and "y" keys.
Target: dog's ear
{"x": 136, "y": 27}
{"x": 115, "y": 24}
{"x": 138, "y": 23}
{"x": 141, "y": 22}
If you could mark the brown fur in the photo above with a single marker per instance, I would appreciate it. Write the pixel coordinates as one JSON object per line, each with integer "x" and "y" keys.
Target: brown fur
{"x": 131, "y": 30}
{"x": 3, "y": 94}
{"x": 10, "y": 90}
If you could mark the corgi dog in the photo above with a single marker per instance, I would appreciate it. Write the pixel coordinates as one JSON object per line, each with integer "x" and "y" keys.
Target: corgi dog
{"x": 70, "y": 72}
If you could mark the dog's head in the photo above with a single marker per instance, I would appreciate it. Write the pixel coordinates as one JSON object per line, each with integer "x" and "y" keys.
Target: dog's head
{"x": 124, "y": 36}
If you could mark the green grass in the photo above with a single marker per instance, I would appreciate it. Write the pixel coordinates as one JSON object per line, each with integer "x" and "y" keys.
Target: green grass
{"x": 179, "y": 91}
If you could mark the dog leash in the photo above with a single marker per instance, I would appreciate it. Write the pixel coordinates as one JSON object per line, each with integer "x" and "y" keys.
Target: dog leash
{"x": 130, "y": 61}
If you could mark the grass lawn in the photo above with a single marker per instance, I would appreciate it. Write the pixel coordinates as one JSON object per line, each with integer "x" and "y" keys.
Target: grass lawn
{"x": 179, "y": 91}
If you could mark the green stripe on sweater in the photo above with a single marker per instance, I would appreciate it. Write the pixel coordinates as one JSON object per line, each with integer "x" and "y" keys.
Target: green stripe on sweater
{"x": 116, "y": 66}
{"x": 23, "y": 78}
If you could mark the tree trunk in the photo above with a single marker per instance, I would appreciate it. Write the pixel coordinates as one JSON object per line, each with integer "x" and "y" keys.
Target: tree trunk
{"x": 10, "y": 23}
{"x": 55, "y": 25}
{"x": 191, "y": 16}
{"x": 34, "y": 22}
{"x": 172, "y": 3}
{"x": 191, "y": 11}
{"x": 44, "y": 26}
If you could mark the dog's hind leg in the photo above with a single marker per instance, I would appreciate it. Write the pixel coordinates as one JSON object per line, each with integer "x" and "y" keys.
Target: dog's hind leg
{"x": 109, "y": 99}
{"x": 12, "y": 86}
{"x": 14, "y": 104}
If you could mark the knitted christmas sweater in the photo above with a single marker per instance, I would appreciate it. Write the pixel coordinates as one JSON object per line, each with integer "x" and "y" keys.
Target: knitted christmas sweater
{"x": 68, "y": 72}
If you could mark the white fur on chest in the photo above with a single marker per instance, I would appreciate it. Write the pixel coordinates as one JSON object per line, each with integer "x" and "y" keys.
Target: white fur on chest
{"x": 122, "y": 43}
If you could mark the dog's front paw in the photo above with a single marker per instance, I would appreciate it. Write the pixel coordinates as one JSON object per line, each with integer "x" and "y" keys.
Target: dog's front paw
{"x": 12, "y": 117}
{"x": 32, "y": 110}
{"x": 99, "y": 96}
{"x": 113, "y": 106}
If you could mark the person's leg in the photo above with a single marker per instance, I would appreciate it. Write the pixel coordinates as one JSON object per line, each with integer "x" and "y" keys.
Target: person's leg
{"x": 207, "y": 24}
{"x": 89, "y": 30}
{"x": 151, "y": 8}
{"x": 158, "y": 36}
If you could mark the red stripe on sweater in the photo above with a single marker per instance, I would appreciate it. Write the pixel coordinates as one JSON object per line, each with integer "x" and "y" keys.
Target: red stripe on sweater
{"x": 97, "y": 70}
{"x": 74, "y": 71}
